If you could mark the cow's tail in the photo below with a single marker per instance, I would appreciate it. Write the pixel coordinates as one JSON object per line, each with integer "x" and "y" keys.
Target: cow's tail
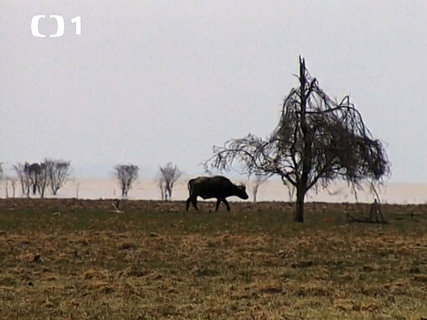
{"x": 190, "y": 185}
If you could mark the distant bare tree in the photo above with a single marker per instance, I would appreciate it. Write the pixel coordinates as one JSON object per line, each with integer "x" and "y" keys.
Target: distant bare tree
{"x": 257, "y": 180}
{"x": 58, "y": 172}
{"x": 37, "y": 173}
{"x": 169, "y": 174}
{"x": 12, "y": 181}
{"x": 32, "y": 177}
{"x": 36, "y": 177}
{"x": 76, "y": 184}
{"x": 23, "y": 178}
{"x": 32, "y": 171}
{"x": 316, "y": 141}
{"x": 1, "y": 175}
{"x": 1, "y": 178}
{"x": 6, "y": 188}
{"x": 162, "y": 187}
{"x": 126, "y": 174}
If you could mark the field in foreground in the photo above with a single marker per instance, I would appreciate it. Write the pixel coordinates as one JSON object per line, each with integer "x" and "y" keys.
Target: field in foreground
{"x": 74, "y": 259}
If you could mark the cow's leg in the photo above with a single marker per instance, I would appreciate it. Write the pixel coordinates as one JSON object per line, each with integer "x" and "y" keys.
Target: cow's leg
{"x": 226, "y": 204}
{"x": 194, "y": 202}
{"x": 218, "y": 201}
{"x": 188, "y": 203}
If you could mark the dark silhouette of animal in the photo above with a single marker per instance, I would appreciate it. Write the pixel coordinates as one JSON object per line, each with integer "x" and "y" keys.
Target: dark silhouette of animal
{"x": 218, "y": 187}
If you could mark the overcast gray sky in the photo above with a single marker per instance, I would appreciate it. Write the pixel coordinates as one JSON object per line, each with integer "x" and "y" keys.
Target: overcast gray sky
{"x": 148, "y": 82}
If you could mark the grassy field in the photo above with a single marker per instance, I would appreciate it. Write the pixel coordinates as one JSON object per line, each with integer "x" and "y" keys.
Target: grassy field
{"x": 73, "y": 259}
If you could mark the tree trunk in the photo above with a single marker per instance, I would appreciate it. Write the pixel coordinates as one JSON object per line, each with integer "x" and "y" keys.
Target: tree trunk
{"x": 255, "y": 191}
{"x": 299, "y": 209}
{"x": 35, "y": 186}
{"x": 306, "y": 156}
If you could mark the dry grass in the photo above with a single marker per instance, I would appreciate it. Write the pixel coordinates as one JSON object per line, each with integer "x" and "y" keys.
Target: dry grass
{"x": 72, "y": 259}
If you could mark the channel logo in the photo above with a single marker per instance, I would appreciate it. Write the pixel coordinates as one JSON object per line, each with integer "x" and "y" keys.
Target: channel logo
{"x": 60, "y": 25}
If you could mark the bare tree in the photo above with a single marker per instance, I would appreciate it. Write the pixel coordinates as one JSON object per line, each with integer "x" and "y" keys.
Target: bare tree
{"x": 162, "y": 187}
{"x": 11, "y": 180}
{"x": 32, "y": 171}
{"x": 6, "y": 188}
{"x": 316, "y": 141}
{"x": 23, "y": 178}
{"x": 39, "y": 178}
{"x": 58, "y": 172}
{"x": 76, "y": 184}
{"x": 36, "y": 177}
{"x": 169, "y": 174}
{"x": 1, "y": 176}
{"x": 126, "y": 174}
{"x": 257, "y": 180}
{"x": 33, "y": 178}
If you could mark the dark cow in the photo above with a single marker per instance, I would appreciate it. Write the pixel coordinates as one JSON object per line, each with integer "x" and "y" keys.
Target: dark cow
{"x": 218, "y": 187}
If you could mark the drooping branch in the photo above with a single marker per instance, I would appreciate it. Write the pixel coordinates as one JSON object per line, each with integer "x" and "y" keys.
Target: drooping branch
{"x": 339, "y": 142}
{"x": 255, "y": 156}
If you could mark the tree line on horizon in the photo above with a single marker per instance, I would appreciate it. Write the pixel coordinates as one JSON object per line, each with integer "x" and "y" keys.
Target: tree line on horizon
{"x": 37, "y": 177}
{"x": 168, "y": 175}
{"x": 34, "y": 179}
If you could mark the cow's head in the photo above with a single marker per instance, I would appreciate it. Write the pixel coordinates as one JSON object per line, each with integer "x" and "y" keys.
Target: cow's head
{"x": 241, "y": 192}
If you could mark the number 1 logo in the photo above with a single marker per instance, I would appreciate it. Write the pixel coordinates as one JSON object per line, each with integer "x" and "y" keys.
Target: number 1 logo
{"x": 60, "y": 25}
